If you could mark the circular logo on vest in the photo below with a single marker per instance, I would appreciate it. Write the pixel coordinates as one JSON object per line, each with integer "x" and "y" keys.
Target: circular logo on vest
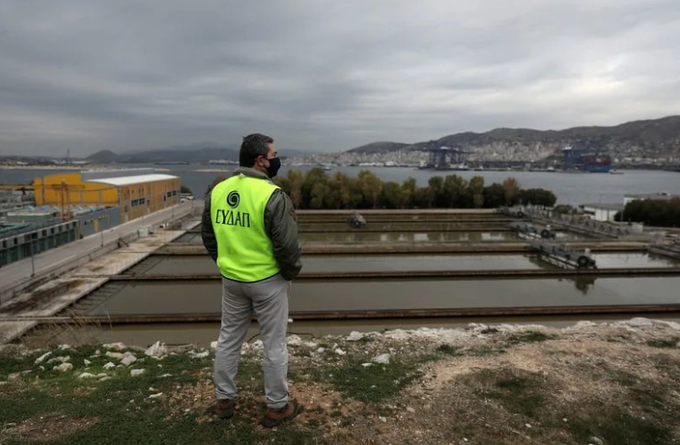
{"x": 233, "y": 199}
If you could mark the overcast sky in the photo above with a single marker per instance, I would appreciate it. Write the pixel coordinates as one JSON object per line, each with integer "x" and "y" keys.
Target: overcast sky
{"x": 325, "y": 75}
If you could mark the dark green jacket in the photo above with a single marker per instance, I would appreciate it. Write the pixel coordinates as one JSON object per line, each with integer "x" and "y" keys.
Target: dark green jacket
{"x": 280, "y": 225}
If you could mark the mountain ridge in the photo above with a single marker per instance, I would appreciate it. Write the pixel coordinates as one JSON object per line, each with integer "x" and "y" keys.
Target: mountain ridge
{"x": 657, "y": 137}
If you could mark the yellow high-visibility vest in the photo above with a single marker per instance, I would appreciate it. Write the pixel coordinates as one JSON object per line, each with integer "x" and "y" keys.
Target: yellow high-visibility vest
{"x": 244, "y": 251}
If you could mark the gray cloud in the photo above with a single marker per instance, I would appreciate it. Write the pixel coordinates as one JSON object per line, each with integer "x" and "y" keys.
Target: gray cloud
{"x": 322, "y": 75}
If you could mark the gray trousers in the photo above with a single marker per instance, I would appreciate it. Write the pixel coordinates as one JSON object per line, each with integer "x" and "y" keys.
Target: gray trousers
{"x": 268, "y": 299}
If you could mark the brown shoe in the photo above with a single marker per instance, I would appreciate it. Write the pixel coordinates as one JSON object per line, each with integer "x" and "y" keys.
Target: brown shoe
{"x": 225, "y": 408}
{"x": 275, "y": 417}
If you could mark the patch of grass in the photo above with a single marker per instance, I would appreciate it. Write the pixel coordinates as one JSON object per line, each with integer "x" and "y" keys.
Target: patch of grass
{"x": 449, "y": 350}
{"x": 660, "y": 343}
{"x": 485, "y": 350}
{"x": 530, "y": 337}
{"x": 623, "y": 378}
{"x": 519, "y": 391}
{"x": 618, "y": 427}
{"x": 370, "y": 384}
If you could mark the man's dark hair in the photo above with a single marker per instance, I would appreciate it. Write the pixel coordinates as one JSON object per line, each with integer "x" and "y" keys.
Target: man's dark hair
{"x": 253, "y": 145}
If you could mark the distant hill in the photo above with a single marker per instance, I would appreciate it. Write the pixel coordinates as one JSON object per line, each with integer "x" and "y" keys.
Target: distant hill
{"x": 196, "y": 153}
{"x": 644, "y": 138}
{"x": 379, "y": 147}
{"x": 102, "y": 156}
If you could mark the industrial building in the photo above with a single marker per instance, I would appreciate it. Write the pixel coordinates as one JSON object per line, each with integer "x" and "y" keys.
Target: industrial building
{"x": 602, "y": 211}
{"x": 135, "y": 195}
{"x": 60, "y": 208}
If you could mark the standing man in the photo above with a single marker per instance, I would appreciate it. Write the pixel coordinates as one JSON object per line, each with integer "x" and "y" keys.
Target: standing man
{"x": 250, "y": 231}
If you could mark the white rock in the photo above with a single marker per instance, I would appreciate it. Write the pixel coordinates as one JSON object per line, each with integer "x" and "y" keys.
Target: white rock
{"x": 596, "y": 440}
{"x": 155, "y": 396}
{"x": 321, "y": 350}
{"x": 366, "y": 365}
{"x": 2, "y": 383}
{"x": 102, "y": 375}
{"x": 28, "y": 371}
{"x": 340, "y": 352}
{"x": 86, "y": 375}
{"x": 639, "y": 322}
{"x": 355, "y": 336}
{"x": 290, "y": 320}
{"x": 164, "y": 376}
{"x": 97, "y": 352}
{"x": 103, "y": 379}
{"x": 294, "y": 340}
{"x": 13, "y": 376}
{"x": 157, "y": 349}
{"x": 203, "y": 354}
{"x": 61, "y": 359}
{"x": 87, "y": 362}
{"x": 257, "y": 344}
{"x": 117, "y": 355}
{"x": 42, "y": 358}
{"x": 670, "y": 324}
{"x": 411, "y": 410}
{"x": 65, "y": 347}
{"x": 117, "y": 346}
{"x": 527, "y": 425}
{"x": 584, "y": 324}
{"x": 213, "y": 345}
{"x": 311, "y": 344}
{"x": 109, "y": 365}
{"x": 383, "y": 419}
{"x": 128, "y": 359}
{"x": 397, "y": 334}
{"x": 137, "y": 372}
{"x": 64, "y": 367}
{"x": 382, "y": 359}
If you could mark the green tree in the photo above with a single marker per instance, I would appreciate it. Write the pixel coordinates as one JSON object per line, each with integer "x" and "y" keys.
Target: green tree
{"x": 436, "y": 186}
{"x": 371, "y": 187}
{"x": 494, "y": 196}
{"x": 393, "y": 196}
{"x": 511, "y": 190}
{"x": 476, "y": 191}
{"x": 409, "y": 187}
{"x": 455, "y": 191}
{"x": 295, "y": 180}
{"x": 312, "y": 177}
{"x": 341, "y": 193}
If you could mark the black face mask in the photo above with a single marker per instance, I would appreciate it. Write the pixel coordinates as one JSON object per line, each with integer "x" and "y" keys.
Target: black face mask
{"x": 274, "y": 166}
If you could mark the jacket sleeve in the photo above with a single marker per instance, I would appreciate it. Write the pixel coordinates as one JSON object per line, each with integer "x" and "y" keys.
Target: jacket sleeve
{"x": 281, "y": 226}
{"x": 207, "y": 231}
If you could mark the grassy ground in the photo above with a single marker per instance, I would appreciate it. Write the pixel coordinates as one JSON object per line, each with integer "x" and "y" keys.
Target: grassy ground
{"x": 604, "y": 384}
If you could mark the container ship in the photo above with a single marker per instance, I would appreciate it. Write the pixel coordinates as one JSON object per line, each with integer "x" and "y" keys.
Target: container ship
{"x": 587, "y": 156}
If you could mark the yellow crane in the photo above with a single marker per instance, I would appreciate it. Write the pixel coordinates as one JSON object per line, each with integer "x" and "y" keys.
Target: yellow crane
{"x": 64, "y": 190}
